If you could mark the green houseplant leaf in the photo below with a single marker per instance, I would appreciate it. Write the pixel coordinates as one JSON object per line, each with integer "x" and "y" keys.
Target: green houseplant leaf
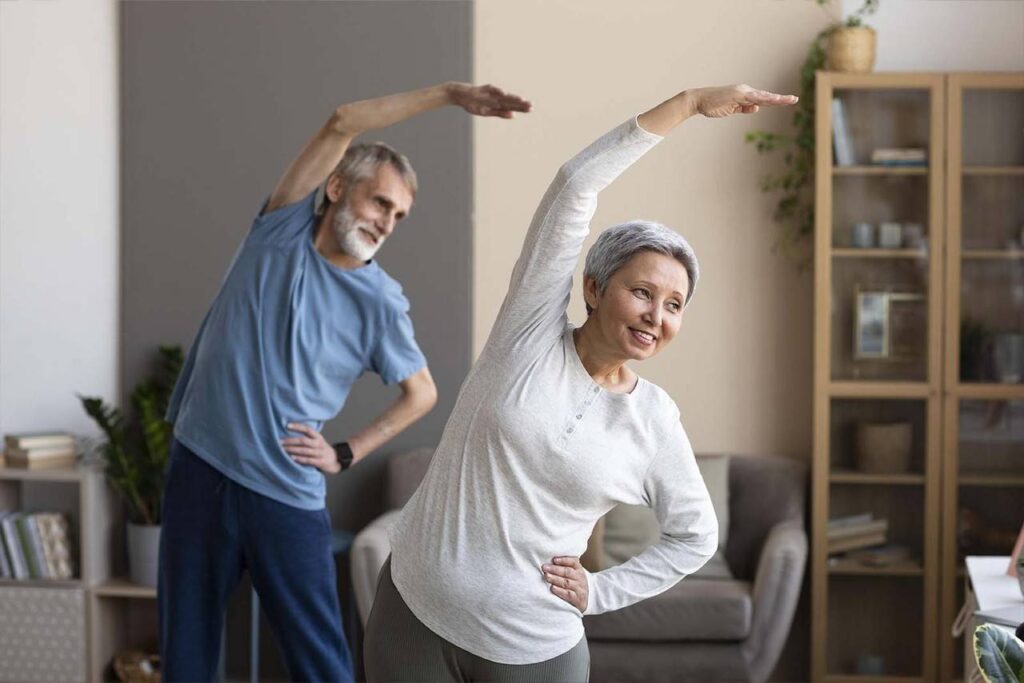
{"x": 136, "y": 448}
{"x": 1000, "y": 655}
{"x": 794, "y": 210}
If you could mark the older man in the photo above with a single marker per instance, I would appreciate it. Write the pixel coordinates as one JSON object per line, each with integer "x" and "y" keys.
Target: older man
{"x": 301, "y": 314}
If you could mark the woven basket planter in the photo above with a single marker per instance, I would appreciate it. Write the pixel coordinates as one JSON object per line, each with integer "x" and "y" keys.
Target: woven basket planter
{"x": 852, "y": 49}
{"x": 884, "y": 448}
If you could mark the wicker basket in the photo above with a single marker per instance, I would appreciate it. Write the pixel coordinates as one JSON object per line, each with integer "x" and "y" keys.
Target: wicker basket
{"x": 884, "y": 448}
{"x": 137, "y": 667}
{"x": 852, "y": 49}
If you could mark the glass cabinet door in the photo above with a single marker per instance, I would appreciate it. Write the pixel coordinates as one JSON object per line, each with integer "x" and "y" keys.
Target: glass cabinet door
{"x": 881, "y": 224}
{"x": 983, "y": 471}
{"x": 990, "y": 236}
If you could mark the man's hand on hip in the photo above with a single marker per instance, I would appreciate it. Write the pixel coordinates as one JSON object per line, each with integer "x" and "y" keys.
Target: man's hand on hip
{"x": 311, "y": 449}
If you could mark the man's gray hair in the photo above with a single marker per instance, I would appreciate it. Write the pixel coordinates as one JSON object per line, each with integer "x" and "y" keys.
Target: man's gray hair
{"x": 362, "y": 161}
{"x": 619, "y": 243}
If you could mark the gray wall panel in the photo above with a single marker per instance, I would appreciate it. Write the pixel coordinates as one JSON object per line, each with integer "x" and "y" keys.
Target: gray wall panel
{"x": 217, "y": 99}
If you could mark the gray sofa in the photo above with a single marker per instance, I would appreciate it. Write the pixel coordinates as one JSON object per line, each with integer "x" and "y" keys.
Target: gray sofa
{"x": 703, "y": 629}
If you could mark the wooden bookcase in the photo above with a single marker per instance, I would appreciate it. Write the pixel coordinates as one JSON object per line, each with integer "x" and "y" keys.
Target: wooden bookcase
{"x": 969, "y": 199}
{"x": 115, "y": 614}
{"x": 860, "y": 611}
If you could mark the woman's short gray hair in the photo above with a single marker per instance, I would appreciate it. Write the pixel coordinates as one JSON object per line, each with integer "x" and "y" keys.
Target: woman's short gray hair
{"x": 362, "y": 161}
{"x": 619, "y": 243}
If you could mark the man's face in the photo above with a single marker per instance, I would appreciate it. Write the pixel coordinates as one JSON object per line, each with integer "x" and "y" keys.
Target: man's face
{"x": 369, "y": 212}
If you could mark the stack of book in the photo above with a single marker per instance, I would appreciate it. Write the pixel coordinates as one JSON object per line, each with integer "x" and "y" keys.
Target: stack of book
{"x": 35, "y": 546}
{"x": 855, "y": 532}
{"x": 881, "y": 556}
{"x": 899, "y": 156}
{"x": 39, "y": 450}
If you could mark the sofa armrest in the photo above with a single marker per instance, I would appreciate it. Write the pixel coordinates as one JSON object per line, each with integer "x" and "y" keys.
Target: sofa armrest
{"x": 370, "y": 550}
{"x": 776, "y": 591}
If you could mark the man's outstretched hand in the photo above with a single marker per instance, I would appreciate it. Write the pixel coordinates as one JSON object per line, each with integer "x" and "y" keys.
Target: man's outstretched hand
{"x": 487, "y": 100}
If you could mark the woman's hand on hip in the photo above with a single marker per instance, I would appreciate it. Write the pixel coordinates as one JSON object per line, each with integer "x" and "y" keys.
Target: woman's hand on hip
{"x": 568, "y": 581}
{"x": 311, "y": 449}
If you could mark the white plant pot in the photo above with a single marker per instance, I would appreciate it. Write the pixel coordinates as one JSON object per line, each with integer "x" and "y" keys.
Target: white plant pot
{"x": 143, "y": 553}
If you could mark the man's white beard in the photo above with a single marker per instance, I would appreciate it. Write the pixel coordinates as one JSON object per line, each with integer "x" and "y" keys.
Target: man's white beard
{"x": 352, "y": 241}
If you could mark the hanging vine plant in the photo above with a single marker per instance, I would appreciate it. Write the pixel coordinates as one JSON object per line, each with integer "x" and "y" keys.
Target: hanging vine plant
{"x": 794, "y": 211}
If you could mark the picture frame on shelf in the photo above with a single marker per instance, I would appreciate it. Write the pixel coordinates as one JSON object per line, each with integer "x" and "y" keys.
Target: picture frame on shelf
{"x": 882, "y": 328}
{"x": 871, "y": 326}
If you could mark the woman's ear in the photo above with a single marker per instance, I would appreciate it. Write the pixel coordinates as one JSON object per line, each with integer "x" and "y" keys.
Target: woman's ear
{"x": 590, "y": 295}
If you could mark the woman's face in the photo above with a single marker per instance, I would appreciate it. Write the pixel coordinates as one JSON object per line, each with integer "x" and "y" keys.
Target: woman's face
{"x": 641, "y": 309}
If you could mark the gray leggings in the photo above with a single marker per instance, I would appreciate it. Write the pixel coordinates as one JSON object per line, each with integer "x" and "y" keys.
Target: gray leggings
{"x": 399, "y": 648}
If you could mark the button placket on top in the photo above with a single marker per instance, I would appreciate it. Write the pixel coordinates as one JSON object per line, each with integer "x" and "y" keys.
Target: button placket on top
{"x": 571, "y": 426}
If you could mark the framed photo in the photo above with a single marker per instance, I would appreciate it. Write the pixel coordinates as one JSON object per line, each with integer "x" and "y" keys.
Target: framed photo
{"x": 888, "y": 326}
{"x": 871, "y": 326}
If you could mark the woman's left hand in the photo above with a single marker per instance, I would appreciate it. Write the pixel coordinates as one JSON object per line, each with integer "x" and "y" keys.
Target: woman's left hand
{"x": 727, "y": 100}
{"x": 568, "y": 581}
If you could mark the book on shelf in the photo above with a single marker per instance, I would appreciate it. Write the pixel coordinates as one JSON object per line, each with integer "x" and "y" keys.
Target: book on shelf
{"x": 41, "y": 464}
{"x": 850, "y": 521}
{"x": 6, "y": 571}
{"x": 869, "y": 540}
{"x": 899, "y": 156}
{"x": 27, "y": 440}
{"x": 869, "y": 527}
{"x": 12, "y": 544}
{"x": 40, "y": 457}
{"x": 35, "y": 546}
{"x": 56, "y": 548}
{"x": 882, "y": 556}
{"x": 842, "y": 141}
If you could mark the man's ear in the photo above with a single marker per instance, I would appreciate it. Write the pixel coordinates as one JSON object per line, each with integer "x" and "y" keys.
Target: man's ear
{"x": 590, "y": 291}
{"x": 335, "y": 189}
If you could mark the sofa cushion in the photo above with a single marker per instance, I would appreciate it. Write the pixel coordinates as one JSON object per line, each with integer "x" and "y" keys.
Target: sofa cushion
{"x": 693, "y": 609}
{"x": 405, "y": 472}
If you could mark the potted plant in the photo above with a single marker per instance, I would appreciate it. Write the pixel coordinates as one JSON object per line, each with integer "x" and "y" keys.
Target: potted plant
{"x": 135, "y": 455}
{"x": 999, "y": 654}
{"x": 851, "y": 45}
{"x": 794, "y": 211}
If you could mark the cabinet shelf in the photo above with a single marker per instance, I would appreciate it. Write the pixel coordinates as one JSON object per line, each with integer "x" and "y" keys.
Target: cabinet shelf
{"x": 853, "y": 678}
{"x": 989, "y": 391}
{"x": 843, "y": 567}
{"x": 993, "y": 254}
{"x": 879, "y": 170}
{"x": 123, "y": 588}
{"x": 858, "y": 389}
{"x": 853, "y": 252}
{"x": 56, "y": 474}
{"x": 994, "y": 170}
{"x": 41, "y": 583}
{"x": 854, "y": 477}
{"x": 998, "y": 480}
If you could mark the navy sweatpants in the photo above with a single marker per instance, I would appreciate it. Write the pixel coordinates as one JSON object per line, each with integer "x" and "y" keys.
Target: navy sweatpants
{"x": 213, "y": 530}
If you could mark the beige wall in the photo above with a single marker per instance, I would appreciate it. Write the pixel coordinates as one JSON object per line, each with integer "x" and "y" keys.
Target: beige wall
{"x": 740, "y": 368}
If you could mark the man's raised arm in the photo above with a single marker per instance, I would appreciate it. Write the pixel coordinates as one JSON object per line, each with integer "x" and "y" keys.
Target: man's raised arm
{"x": 323, "y": 152}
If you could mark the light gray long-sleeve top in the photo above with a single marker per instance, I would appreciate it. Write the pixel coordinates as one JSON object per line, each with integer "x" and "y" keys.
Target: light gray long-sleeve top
{"x": 535, "y": 452}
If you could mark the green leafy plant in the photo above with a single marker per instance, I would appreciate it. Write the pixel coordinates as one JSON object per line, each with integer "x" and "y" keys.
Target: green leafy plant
{"x": 136, "y": 447}
{"x": 1000, "y": 655}
{"x": 794, "y": 211}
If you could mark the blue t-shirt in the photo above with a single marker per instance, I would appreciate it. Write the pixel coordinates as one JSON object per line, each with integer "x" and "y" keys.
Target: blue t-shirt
{"x": 285, "y": 339}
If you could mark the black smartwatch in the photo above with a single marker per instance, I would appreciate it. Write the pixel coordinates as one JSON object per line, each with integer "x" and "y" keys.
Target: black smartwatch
{"x": 344, "y": 454}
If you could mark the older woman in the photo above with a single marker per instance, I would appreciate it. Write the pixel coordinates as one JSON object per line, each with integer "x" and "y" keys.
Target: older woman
{"x": 551, "y": 430}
